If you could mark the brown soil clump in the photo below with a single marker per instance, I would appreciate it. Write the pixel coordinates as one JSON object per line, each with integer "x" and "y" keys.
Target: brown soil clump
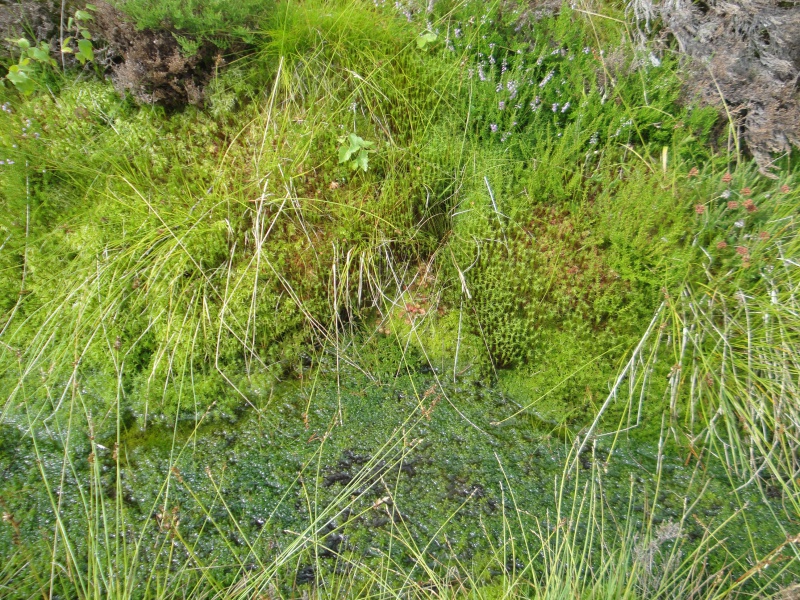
{"x": 21, "y": 18}
{"x": 149, "y": 64}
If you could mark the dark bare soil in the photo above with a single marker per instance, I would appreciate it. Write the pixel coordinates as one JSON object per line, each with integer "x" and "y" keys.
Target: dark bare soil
{"x": 150, "y": 64}
{"x": 30, "y": 18}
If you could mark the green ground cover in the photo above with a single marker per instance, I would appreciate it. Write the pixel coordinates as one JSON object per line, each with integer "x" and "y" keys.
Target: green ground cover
{"x": 439, "y": 299}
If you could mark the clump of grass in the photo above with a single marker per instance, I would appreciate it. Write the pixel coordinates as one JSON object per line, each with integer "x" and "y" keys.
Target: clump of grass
{"x": 733, "y": 331}
{"x": 724, "y": 338}
{"x": 223, "y": 271}
{"x": 533, "y": 201}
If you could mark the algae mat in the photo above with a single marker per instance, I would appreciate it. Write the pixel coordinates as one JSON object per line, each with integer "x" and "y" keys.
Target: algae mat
{"x": 360, "y": 470}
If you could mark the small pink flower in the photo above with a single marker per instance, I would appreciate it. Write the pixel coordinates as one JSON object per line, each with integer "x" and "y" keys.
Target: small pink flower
{"x": 733, "y": 205}
{"x": 726, "y": 178}
{"x": 742, "y": 250}
{"x": 764, "y": 235}
{"x": 699, "y": 209}
{"x": 693, "y": 172}
{"x": 747, "y": 192}
{"x": 785, "y": 189}
{"x": 722, "y": 245}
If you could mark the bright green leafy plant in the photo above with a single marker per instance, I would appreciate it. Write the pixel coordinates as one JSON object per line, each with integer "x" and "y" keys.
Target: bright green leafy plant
{"x": 36, "y": 57}
{"x": 83, "y": 49}
{"x": 22, "y": 74}
{"x": 355, "y": 150}
{"x": 425, "y": 39}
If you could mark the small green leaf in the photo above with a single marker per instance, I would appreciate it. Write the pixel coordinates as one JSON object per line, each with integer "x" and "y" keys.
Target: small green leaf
{"x": 17, "y": 76}
{"x": 362, "y": 160}
{"x": 355, "y": 146}
{"x": 425, "y": 39}
{"x": 90, "y": 7}
{"x": 86, "y": 35}
{"x": 85, "y": 51}
{"x": 39, "y": 55}
{"x": 82, "y": 15}
{"x": 21, "y": 81}
{"x": 23, "y": 43}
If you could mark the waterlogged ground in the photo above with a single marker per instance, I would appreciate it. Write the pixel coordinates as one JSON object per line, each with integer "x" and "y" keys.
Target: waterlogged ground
{"x": 415, "y": 459}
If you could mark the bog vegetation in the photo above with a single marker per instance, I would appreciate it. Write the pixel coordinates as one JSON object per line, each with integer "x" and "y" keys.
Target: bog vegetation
{"x": 230, "y": 231}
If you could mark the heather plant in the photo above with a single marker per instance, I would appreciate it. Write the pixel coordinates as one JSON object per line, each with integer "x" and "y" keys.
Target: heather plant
{"x": 552, "y": 253}
{"x": 216, "y": 20}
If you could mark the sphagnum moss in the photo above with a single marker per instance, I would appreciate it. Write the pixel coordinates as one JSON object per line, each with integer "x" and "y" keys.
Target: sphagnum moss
{"x": 531, "y": 204}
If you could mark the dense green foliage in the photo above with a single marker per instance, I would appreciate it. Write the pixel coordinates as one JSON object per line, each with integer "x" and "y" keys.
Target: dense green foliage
{"x": 217, "y": 20}
{"x": 229, "y": 243}
{"x": 518, "y": 215}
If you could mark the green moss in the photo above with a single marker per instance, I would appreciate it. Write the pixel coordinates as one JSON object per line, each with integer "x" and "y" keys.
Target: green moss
{"x": 190, "y": 246}
{"x": 206, "y": 252}
{"x": 471, "y": 296}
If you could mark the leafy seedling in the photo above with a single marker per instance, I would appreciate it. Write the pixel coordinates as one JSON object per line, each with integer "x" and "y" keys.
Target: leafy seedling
{"x": 355, "y": 150}
{"x": 22, "y": 74}
{"x": 84, "y": 50}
